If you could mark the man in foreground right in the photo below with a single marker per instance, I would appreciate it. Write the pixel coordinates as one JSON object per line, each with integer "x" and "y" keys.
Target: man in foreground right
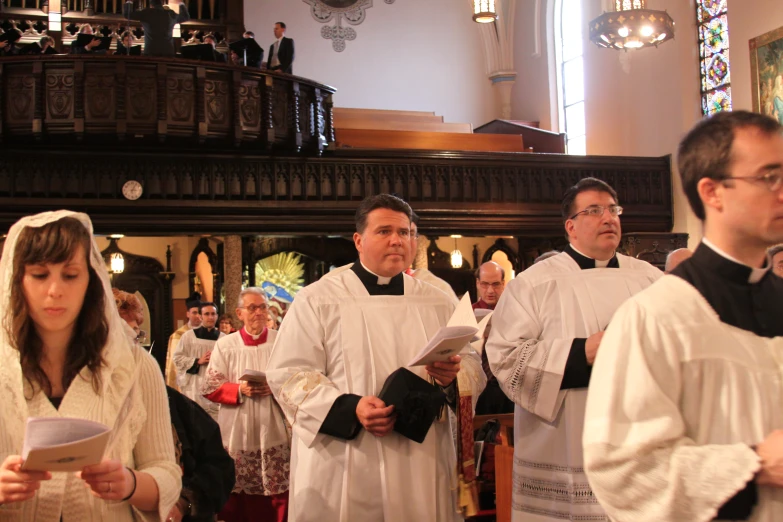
{"x": 683, "y": 418}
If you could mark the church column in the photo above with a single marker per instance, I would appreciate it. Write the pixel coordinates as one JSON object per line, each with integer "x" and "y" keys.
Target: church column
{"x": 232, "y": 271}
{"x": 420, "y": 259}
{"x": 498, "y": 42}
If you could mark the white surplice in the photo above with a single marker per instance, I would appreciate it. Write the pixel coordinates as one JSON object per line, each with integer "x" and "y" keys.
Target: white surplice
{"x": 254, "y": 431}
{"x": 539, "y": 315}
{"x": 669, "y": 438}
{"x": 337, "y": 339}
{"x": 189, "y": 350}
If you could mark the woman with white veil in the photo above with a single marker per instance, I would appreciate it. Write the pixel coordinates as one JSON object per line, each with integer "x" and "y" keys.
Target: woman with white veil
{"x": 64, "y": 352}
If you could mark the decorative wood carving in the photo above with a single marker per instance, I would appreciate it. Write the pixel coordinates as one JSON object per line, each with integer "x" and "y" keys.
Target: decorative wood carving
{"x": 652, "y": 247}
{"x": 350, "y": 11}
{"x": 501, "y": 246}
{"x": 159, "y": 98}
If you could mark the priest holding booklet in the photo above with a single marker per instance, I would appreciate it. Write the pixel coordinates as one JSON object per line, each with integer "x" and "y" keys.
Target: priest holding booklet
{"x": 342, "y": 338}
{"x": 251, "y": 423}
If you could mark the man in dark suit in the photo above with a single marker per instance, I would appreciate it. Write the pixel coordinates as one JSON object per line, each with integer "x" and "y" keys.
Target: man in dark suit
{"x": 158, "y": 24}
{"x": 281, "y": 53}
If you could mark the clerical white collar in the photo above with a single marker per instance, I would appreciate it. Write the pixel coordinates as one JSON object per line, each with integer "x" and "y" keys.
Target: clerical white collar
{"x": 598, "y": 263}
{"x": 756, "y": 274}
{"x": 254, "y": 337}
{"x": 381, "y": 280}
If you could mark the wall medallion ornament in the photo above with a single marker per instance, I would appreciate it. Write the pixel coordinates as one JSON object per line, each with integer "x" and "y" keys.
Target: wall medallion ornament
{"x": 352, "y": 11}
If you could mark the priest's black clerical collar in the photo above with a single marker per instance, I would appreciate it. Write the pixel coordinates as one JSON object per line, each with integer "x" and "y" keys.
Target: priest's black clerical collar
{"x": 585, "y": 263}
{"x": 379, "y": 285}
{"x": 208, "y": 335}
{"x": 713, "y": 258}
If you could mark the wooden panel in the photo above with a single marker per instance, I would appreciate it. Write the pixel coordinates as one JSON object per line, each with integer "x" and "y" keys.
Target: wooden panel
{"x": 379, "y": 113}
{"x": 504, "y": 464}
{"x": 396, "y": 125}
{"x": 380, "y": 139}
{"x": 537, "y": 139}
{"x": 340, "y": 115}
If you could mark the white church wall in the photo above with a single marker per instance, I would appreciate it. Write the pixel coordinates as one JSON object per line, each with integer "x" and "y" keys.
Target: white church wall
{"x": 421, "y": 55}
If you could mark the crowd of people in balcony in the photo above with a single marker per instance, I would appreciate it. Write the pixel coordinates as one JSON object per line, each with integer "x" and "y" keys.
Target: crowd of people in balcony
{"x": 158, "y": 24}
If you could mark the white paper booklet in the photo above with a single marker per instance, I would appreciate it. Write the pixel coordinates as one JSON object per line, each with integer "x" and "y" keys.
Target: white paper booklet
{"x": 450, "y": 340}
{"x": 63, "y": 443}
{"x": 253, "y": 376}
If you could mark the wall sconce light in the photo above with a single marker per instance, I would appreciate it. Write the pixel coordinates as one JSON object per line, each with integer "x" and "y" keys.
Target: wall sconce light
{"x": 117, "y": 263}
{"x": 456, "y": 255}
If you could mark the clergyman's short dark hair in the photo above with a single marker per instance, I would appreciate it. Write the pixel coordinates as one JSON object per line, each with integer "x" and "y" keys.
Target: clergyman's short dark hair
{"x": 204, "y": 304}
{"x": 705, "y": 152}
{"x": 379, "y": 201}
{"x": 281, "y": 24}
{"x": 583, "y": 186}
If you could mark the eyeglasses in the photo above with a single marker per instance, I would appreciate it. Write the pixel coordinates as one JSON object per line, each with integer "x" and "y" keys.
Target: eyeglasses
{"x": 772, "y": 179}
{"x": 495, "y": 286}
{"x": 255, "y": 308}
{"x": 598, "y": 211}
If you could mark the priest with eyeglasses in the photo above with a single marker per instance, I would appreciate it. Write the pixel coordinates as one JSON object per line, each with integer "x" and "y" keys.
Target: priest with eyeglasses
{"x": 684, "y": 418}
{"x": 546, "y": 332}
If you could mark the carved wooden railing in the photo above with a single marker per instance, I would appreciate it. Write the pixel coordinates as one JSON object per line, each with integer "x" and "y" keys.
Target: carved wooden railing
{"x": 455, "y": 193}
{"x": 139, "y": 100}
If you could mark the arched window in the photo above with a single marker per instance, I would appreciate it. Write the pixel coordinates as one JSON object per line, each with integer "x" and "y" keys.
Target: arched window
{"x": 714, "y": 55}
{"x": 570, "y": 73}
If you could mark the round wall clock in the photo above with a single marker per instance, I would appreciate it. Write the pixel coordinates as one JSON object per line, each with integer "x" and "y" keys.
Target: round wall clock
{"x": 132, "y": 190}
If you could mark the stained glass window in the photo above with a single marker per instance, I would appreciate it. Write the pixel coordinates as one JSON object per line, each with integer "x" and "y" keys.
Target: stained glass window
{"x": 571, "y": 75}
{"x": 714, "y": 55}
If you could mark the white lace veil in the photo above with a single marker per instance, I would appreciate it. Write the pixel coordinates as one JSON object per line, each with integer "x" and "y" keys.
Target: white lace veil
{"x": 11, "y": 383}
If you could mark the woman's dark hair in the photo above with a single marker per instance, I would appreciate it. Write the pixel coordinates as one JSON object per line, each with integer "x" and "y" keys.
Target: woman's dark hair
{"x": 55, "y": 243}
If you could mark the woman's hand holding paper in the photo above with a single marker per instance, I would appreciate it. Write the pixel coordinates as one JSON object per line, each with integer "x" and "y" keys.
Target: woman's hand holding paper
{"x": 109, "y": 480}
{"x": 445, "y": 372}
{"x": 17, "y": 485}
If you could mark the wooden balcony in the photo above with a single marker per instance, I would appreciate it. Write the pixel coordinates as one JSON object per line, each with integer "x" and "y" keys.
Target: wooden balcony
{"x": 138, "y": 101}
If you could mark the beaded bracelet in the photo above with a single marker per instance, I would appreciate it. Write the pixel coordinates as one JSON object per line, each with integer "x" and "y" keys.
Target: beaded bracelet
{"x": 134, "y": 484}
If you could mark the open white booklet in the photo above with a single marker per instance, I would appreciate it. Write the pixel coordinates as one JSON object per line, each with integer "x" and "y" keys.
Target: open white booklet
{"x": 453, "y": 338}
{"x": 253, "y": 376}
{"x": 63, "y": 443}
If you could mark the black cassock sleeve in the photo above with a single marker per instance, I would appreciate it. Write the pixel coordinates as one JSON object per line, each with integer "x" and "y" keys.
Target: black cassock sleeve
{"x": 577, "y": 371}
{"x": 341, "y": 421}
{"x": 208, "y": 470}
{"x": 740, "y": 506}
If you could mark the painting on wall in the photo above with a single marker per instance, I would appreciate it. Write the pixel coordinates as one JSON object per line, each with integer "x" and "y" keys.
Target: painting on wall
{"x": 766, "y": 69}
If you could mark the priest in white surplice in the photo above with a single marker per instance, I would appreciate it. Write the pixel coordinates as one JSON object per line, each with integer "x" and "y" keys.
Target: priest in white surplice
{"x": 192, "y": 354}
{"x": 684, "y": 414}
{"x": 546, "y": 330}
{"x": 342, "y": 337}
{"x": 251, "y": 423}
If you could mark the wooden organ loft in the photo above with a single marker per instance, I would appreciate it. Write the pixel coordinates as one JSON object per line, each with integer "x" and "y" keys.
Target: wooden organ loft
{"x": 234, "y": 150}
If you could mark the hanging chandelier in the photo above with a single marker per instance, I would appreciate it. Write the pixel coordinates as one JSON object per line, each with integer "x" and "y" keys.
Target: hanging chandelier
{"x": 456, "y": 255}
{"x": 484, "y": 11}
{"x": 631, "y": 26}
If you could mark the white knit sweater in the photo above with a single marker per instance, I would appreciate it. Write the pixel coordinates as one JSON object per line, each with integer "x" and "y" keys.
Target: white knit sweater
{"x": 144, "y": 442}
